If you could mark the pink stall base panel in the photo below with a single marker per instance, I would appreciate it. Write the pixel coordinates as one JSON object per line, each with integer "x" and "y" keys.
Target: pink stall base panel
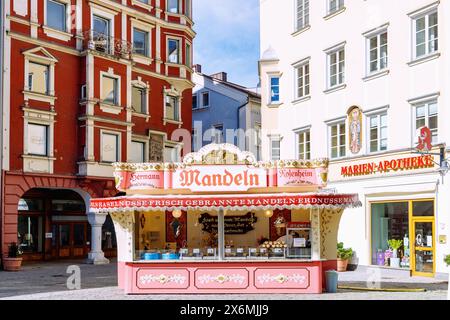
{"x": 222, "y": 278}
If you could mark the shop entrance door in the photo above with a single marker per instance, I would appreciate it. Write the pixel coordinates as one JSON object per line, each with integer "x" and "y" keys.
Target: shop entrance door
{"x": 423, "y": 249}
{"x": 71, "y": 240}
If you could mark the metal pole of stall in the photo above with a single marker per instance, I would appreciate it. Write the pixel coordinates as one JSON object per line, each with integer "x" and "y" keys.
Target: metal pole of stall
{"x": 221, "y": 233}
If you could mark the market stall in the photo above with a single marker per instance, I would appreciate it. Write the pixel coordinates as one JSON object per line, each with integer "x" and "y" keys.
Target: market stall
{"x": 221, "y": 222}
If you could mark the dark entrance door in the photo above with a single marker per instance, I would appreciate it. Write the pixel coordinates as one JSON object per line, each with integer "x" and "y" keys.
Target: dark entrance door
{"x": 71, "y": 240}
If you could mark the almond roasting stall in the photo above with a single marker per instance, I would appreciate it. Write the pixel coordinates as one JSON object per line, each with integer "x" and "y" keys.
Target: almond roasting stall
{"x": 221, "y": 222}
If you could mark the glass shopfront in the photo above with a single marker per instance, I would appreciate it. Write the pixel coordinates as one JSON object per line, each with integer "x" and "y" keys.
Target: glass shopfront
{"x": 194, "y": 235}
{"x": 398, "y": 221}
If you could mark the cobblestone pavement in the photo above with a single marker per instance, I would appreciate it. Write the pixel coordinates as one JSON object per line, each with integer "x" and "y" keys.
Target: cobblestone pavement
{"x": 47, "y": 281}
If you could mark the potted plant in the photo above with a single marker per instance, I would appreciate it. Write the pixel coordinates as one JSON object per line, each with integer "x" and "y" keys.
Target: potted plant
{"x": 14, "y": 260}
{"x": 395, "y": 245}
{"x": 447, "y": 260}
{"x": 343, "y": 256}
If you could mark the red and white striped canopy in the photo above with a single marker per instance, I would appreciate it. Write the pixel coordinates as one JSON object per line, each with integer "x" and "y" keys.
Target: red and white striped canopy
{"x": 226, "y": 202}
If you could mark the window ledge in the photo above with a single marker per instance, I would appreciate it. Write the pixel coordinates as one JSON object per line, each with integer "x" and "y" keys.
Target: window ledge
{"x": 33, "y": 156}
{"x": 301, "y": 30}
{"x": 424, "y": 59}
{"x": 179, "y": 123}
{"x": 141, "y": 4}
{"x": 335, "y": 13}
{"x": 141, "y": 115}
{"x": 141, "y": 59}
{"x": 336, "y": 88}
{"x": 200, "y": 108}
{"x": 110, "y": 108}
{"x": 274, "y": 105}
{"x": 57, "y": 34}
{"x": 300, "y": 100}
{"x": 39, "y": 97}
{"x": 376, "y": 75}
{"x": 171, "y": 64}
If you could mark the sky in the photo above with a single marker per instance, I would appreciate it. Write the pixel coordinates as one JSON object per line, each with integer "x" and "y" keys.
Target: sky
{"x": 228, "y": 38}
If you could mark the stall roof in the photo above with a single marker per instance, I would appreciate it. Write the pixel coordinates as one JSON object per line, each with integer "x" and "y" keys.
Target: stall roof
{"x": 226, "y": 202}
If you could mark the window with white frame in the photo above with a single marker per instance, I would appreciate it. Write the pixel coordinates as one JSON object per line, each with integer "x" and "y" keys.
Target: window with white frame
{"x": 38, "y": 139}
{"x": 137, "y": 152}
{"x": 302, "y": 80}
{"x": 173, "y": 6}
{"x": 194, "y": 102}
{"x": 38, "y": 77}
{"x": 171, "y": 153}
{"x": 302, "y": 14}
{"x": 426, "y": 34}
{"x": 188, "y": 8}
{"x": 141, "y": 42}
{"x": 188, "y": 55}
{"x": 338, "y": 145}
{"x": 378, "y": 138}
{"x": 56, "y": 15}
{"x": 426, "y": 115}
{"x": 217, "y": 136}
{"x": 377, "y": 56}
{"x": 304, "y": 144}
{"x": 139, "y": 99}
{"x": 173, "y": 46}
{"x": 110, "y": 89}
{"x": 335, "y": 5}
{"x": 205, "y": 99}
{"x": 274, "y": 89}
{"x": 110, "y": 144}
{"x": 275, "y": 148}
{"x": 172, "y": 108}
{"x": 336, "y": 67}
{"x": 101, "y": 33}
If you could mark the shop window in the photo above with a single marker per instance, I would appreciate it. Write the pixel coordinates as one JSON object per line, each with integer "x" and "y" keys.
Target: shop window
{"x": 390, "y": 221}
{"x": 30, "y": 205}
{"x": 423, "y": 208}
{"x": 30, "y": 233}
{"x": 68, "y": 206}
{"x": 109, "y": 241}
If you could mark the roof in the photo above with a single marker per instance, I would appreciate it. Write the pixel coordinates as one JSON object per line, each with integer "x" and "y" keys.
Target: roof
{"x": 234, "y": 86}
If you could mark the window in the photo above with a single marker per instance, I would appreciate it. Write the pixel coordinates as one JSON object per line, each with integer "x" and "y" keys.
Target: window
{"x": 56, "y": 15}
{"x": 171, "y": 154}
{"x": 378, "y": 52}
{"x": 304, "y": 145}
{"x": 194, "y": 102}
{"x": 38, "y": 77}
{"x": 137, "y": 152}
{"x": 275, "y": 148}
{"x": 337, "y": 140}
{"x": 174, "y": 51}
{"x": 109, "y": 90}
{"x": 426, "y": 34}
{"x": 378, "y": 132}
{"x": 205, "y": 99}
{"x": 172, "y": 108}
{"x": 188, "y": 55}
{"x": 427, "y": 115}
{"x": 37, "y": 139}
{"x": 336, "y": 68}
{"x": 138, "y": 99}
{"x": 101, "y": 33}
{"x": 217, "y": 134}
{"x": 188, "y": 8}
{"x": 30, "y": 232}
{"x": 110, "y": 147}
{"x": 274, "y": 89}
{"x": 335, "y": 5}
{"x": 140, "y": 42}
{"x": 258, "y": 141}
{"x": 173, "y": 6}
{"x": 302, "y": 80}
{"x": 302, "y": 19}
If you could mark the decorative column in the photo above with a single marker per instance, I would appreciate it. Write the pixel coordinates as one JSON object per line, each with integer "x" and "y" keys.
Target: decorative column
{"x": 315, "y": 241}
{"x": 96, "y": 256}
{"x": 221, "y": 233}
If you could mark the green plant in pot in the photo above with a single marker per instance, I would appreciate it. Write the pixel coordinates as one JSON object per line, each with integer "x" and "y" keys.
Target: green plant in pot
{"x": 395, "y": 245}
{"x": 343, "y": 256}
{"x": 13, "y": 261}
{"x": 447, "y": 260}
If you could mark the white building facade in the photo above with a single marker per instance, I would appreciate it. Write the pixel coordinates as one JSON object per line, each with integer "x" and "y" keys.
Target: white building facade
{"x": 353, "y": 81}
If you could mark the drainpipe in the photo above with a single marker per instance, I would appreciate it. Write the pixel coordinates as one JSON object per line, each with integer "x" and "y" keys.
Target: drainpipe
{"x": 2, "y": 39}
{"x": 238, "y": 117}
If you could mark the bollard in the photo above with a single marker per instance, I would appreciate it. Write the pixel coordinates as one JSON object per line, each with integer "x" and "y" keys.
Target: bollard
{"x": 331, "y": 281}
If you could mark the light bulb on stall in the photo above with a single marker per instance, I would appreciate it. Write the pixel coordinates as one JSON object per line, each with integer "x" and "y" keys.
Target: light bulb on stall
{"x": 177, "y": 214}
{"x": 269, "y": 213}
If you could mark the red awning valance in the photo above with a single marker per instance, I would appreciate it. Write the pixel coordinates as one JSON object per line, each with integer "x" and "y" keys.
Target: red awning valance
{"x": 227, "y": 202}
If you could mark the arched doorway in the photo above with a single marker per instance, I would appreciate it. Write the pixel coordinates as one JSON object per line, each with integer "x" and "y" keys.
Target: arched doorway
{"x": 53, "y": 224}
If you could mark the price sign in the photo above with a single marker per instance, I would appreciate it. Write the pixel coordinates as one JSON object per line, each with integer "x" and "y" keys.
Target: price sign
{"x": 263, "y": 250}
{"x": 240, "y": 250}
{"x": 278, "y": 250}
{"x": 196, "y": 251}
{"x": 184, "y": 251}
{"x": 252, "y": 250}
{"x": 299, "y": 242}
{"x": 227, "y": 250}
{"x": 210, "y": 250}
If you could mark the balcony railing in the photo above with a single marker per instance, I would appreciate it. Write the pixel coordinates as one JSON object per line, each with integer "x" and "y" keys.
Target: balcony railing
{"x": 105, "y": 44}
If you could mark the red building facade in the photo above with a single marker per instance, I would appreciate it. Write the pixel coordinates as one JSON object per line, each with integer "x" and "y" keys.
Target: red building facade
{"x": 86, "y": 83}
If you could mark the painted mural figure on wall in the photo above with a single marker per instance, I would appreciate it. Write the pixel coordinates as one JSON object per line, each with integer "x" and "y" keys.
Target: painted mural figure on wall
{"x": 355, "y": 124}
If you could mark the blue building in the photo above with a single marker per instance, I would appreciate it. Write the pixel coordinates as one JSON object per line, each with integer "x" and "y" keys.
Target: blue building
{"x": 225, "y": 112}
